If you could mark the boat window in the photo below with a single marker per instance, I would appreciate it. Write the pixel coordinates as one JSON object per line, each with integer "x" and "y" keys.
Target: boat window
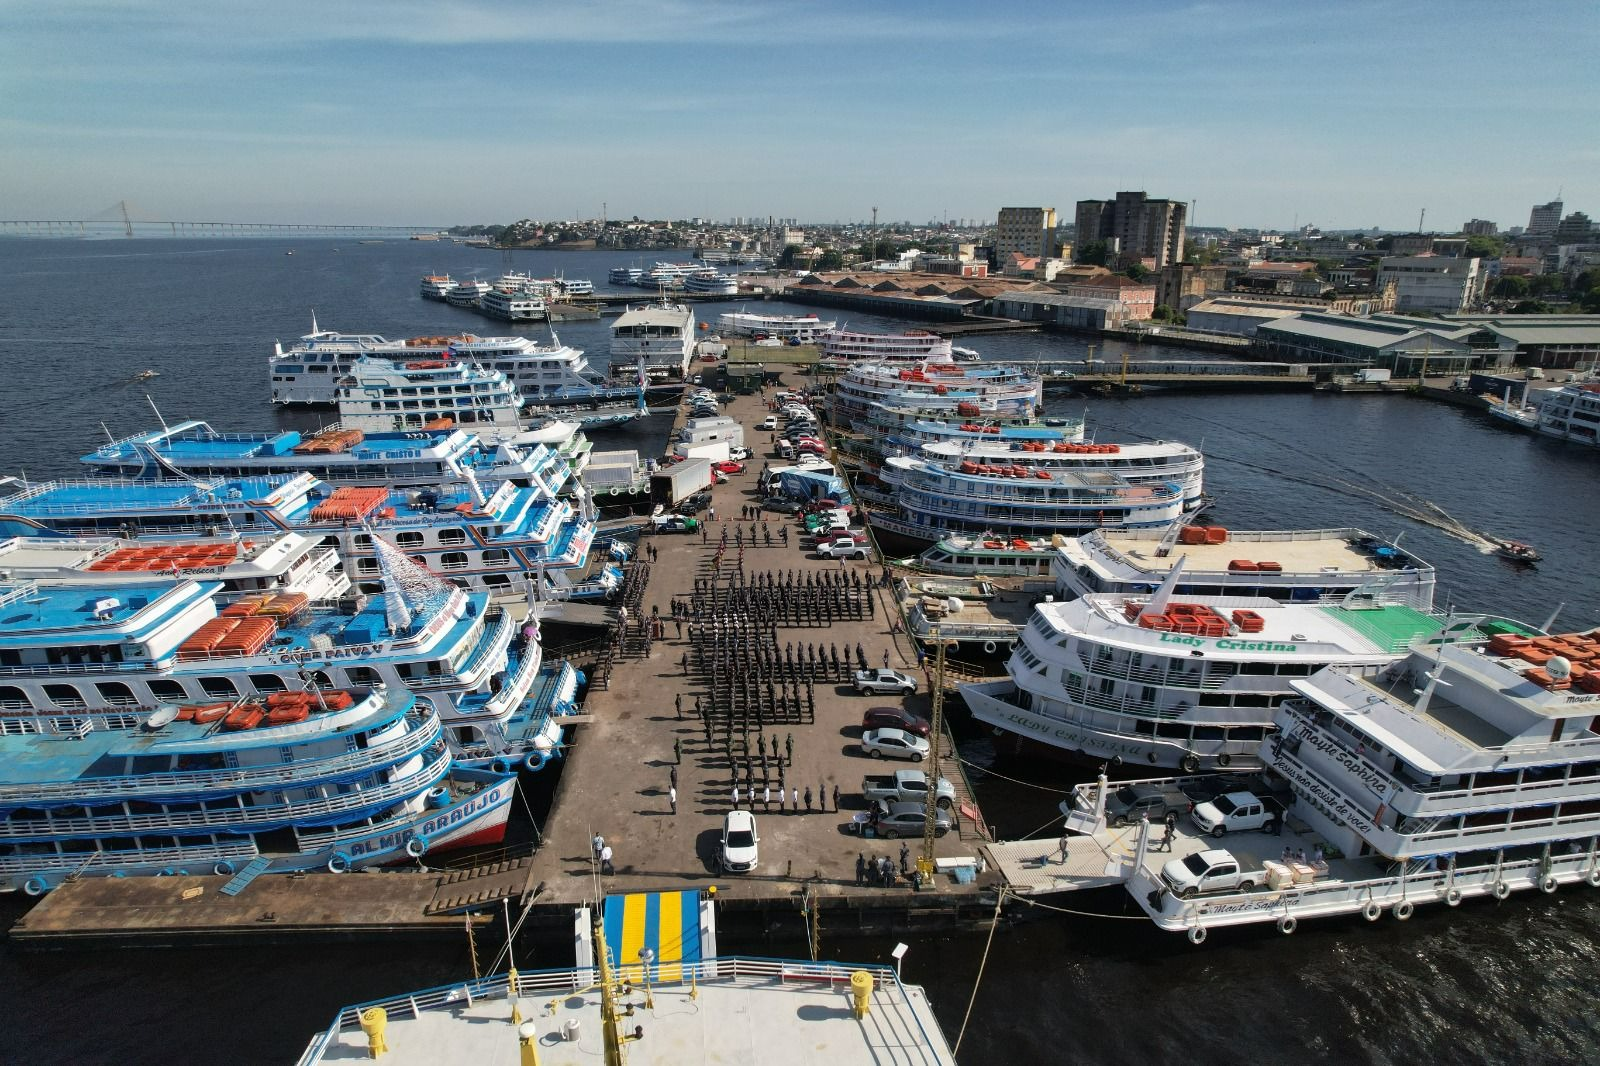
{"x": 408, "y": 540}
{"x": 116, "y": 694}
{"x": 452, "y": 536}
{"x": 268, "y": 683}
{"x": 367, "y": 566}
{"x": 453, "y": 560}
{"x": 362, "y": 675}
{"x": 13, "y": 699}
{"x": 219, "y": 688}
{"x": 66, "y": 697}
{"x": 496, "y": 581}
{"x": 163, "y": 689}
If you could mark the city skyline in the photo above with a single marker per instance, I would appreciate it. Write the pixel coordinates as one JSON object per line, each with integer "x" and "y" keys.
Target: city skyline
{"x": 463, "y": 113}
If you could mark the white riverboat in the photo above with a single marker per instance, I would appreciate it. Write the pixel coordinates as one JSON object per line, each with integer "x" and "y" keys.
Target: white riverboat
{"x": 1570, "y": 413}
{"x": 437, "y": 286}
{"x": 802, "y": 329}
{"x": 1303, "y": 565}
{"x": 950, "y": 391}
{"x": 659, "y": 338}
{"x": 553, "y": 376}
{"x": 466, "y": 293}
{"x": 1466, "y": 770}
{"x": 382, "y": 396}
{"x": 987, "y": 555}
{"x": 841, "y": 347}
{"x": 710, "y": 283}
{"x": 335, "y": 779}
{"x": 113, "y": 652}
{"x": 1141, "y": 463}
{"x": 495, "y": 539}
{"x": 285, "y": 564}
{"x": 415, "y": 459}
{"x": 927, "y": 501}
{"x": 1191, "y": 683}
{"x": 512, "y": 304}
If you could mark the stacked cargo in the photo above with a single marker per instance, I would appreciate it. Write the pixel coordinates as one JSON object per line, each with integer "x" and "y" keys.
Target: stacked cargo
{"x": 350, "y": 504}
{"x": 167, "y": 558}
{"x": 1203, "y": 535}
{"x": 330, "y": 442}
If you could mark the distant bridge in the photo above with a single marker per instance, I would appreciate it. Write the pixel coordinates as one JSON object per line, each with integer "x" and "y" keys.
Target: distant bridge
{"x": 120, "y": 219}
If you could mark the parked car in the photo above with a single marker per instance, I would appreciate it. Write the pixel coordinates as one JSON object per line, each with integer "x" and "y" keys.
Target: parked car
{"x": 781, "y": 504}
{"x": 906, "y": 819}
{"x": 895, "y": 718}
{"x": 729, "y": 466}
{"x": 737, "y": 853}
{"x": 739, "y": 453}
{"x": 843, "y": 549}
{"x": 891, "y": 682}
{"x": 1207, "y": 871}
{"x": 1238, "y": 812}
{"x": 696, "y": 503}
{"x": 829, "y": 536}
{"x": 894, "y": 744}
{"x": 770, "y": 422}
{"x": 1158, "y": 803}
{"x": 907, "y": 786}
{"x": 674, "y": 523}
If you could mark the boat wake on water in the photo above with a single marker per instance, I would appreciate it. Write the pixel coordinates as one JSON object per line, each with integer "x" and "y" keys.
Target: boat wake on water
{"x": 1392, "y": 499}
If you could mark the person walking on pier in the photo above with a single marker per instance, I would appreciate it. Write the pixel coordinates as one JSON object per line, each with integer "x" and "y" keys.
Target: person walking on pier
{"x": 808, "y": 799}
{"x": 736, "y": 793}
{"x": 598, "y": 844}
{"x": 766, "y": 798}
{"x": 861, "y": 868}
{"x": 886, "y": 658}
{"x": 678, "y": 702}
{"x": 794, "y": 799}
{"x": 677, "y": 751}
{"x": 905, "y": 856}
{"x": 606, "y": 869}
{"x": 788, "y": 749}
{"x": 1061, "y": 846}
{"x": 672, "y": 797}
{"x": 835, "y": 799}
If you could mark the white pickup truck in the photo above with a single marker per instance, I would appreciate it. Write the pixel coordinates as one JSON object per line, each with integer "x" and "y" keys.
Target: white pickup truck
{"x": 1208, "y": 871}
{"x": 907, "y": 785}
{"x": 1238, "y": 812}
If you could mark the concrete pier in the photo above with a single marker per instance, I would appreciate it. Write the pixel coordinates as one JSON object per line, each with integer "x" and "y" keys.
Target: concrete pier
{"x": 643, "y": 727}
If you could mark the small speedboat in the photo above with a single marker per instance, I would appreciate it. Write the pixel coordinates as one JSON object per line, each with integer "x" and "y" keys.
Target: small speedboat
{"x": 1516, "y": 551}
{"x": 146, "y": 375}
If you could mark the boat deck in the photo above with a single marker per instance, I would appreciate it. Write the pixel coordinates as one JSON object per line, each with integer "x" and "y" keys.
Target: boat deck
{"x": 736, "y": 1011}
{"x": 1295, "y": 556}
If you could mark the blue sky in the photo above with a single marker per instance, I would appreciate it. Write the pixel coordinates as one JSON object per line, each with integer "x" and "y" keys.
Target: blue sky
{"x": 1343, "y": 114}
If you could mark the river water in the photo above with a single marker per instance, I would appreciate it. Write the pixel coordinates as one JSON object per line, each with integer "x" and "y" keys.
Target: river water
{"x": 1490, "y": 982}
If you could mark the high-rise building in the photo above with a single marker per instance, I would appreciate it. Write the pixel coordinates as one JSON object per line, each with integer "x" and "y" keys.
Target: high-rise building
{"x": 1480, "y": 227}
{"x": 1544, "y": 218}
{"x": 1134, "y": 227}
{"x": 1029, "y": 231}
{"x": 1575, "y": 229}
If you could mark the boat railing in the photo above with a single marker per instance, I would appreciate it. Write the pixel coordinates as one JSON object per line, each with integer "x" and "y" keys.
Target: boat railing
{"x": 85, "y": 862}
{"x": 1329, "y": 896}
{"x": 375, "y": 798}
{"x": 293, "y": 774}
{"x": 539, "y": 985}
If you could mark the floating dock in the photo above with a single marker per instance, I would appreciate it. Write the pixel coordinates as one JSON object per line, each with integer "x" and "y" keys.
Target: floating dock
{"x": 145, "y": 911}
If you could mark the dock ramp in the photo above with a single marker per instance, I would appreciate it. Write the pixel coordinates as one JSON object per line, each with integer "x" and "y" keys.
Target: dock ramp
{"x": 1037, "y": 867}
{"x": 678, "y": 927}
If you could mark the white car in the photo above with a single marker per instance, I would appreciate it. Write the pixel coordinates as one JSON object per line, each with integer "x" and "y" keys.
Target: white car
{"x": 894, "y": 744}
{"x": 809, "y": 460}
{"x": 737, "y": 853}
{"x": 770, "y": 422}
